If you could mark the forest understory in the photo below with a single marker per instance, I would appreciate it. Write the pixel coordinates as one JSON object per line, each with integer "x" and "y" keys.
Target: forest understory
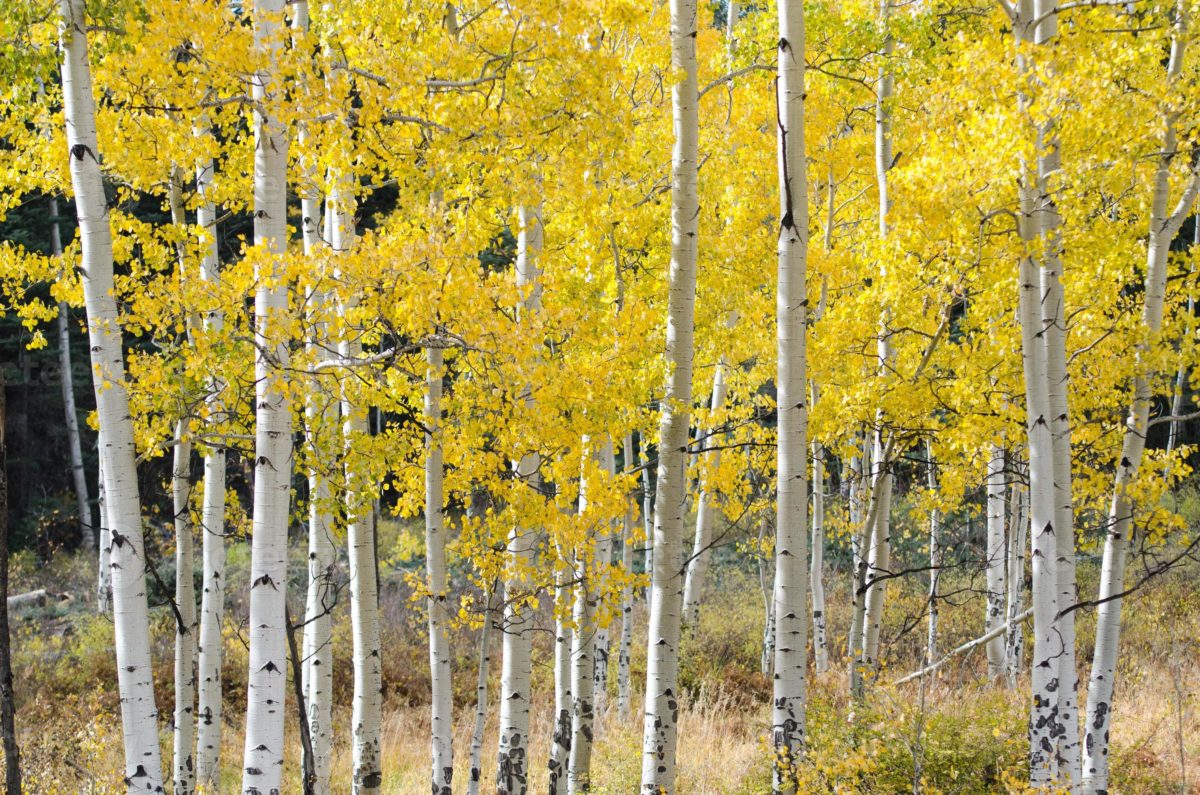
{"x": 958, "y": 734}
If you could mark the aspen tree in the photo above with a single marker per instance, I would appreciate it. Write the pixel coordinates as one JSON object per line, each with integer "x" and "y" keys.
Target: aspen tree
{"x": 1054, "y": 322}
{"x": 878, "y": 549}
{"x": 789, "y": 705}
{"x": 1018, "y": 533}
{"x": 935, "y": 558}
{"x": 512, "y": 776}
{"x": 604, "y": 543}
{"x": 816, "y": 573}
{"x": 1164, "y": 225}
{"x": 995, "y": 560}
{"x": 266, "y": 684}
{"x": 660, "y": 730}
{"x": 321, "y": 412}
{"x": 185, "y": 604}
{"x": 481, "y": 697}
{"x": 626, "y": 643}
{"x": 435, "y": 556}
{"x": 583, "y": 648}
{"x": 367, "y": 707}
{"x": 212, "y": 512}
{"x": 131, "y": 627}
{"x": 87, "y": 530}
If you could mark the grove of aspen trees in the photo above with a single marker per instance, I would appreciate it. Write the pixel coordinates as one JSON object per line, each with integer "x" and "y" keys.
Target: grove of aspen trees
{"x": 662, "y": 397}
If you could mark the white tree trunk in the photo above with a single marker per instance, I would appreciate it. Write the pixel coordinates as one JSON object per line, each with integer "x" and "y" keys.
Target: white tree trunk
{"x": 131, "y": 627}
{"x": 604, "y": 544}
{"x": 185, "y": 603}
{"x": 266, "y": 684}
{"x": 481, "y": 698}
{"x": 212, "y": 519}
{"x": 624, "y": 653}
{"x": 104, "y": 565}
{"x": 789, "y": 706}
{"x": 643, "y": 461}
{"x": 367, "y": 708}
{"x": 1043, "y": 719}
{"x": 995, "y": 558}
{"x": 1163, "y": 227}
{"x": 879, "y": 548}
{"x": 583, "y": 660}
{"x": 816, "y": 576}
{"x": 441, "y": 707}
{"x": 693, "y": 586}
{"x": 765, "y": 582}
{"x": 660, "y": 729}
{"x": 935, "y": 561}
{"x": 87, "y": 530}
{"x": 560, "y": 744}
{"x": 1018, "y": 534}
{"x": 512, "y": 777}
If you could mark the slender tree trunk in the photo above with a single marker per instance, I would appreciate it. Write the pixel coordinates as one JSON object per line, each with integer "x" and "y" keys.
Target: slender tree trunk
{"x": 441, "y": 715}
{"x": 481, "y": 698}
{"x": 512, "y": 776}
{"x": 604, "y": 544}
{"x": 87, "y": 530}
{"x": 185, "y": 602}
{"x": 367, "y": 707}
{"x": 816, "y": 574}
{"x": 212, "y": 518}
{"x": 322, "y": 415}
{"x": 266, "y": 685}
{"x": 560, "y": 745}
{"x": 879, "y": 548}
{"x": 765, "y": 581}
{"x": 1018, "y": 532}
{"x": 788, "y": 715}
{"x": 139, "y": 714}
{"x": 994, "y": 560}
{"x": 1044, "y": 716}
{"x": 626, "y": 645}
{"x": 1163, "y": 227}
{"x": 1181, "y": 379}
{"x": 693, "y": 586}
{"x": 935, "y": 561}
{"x": 583, "y": 645}
{"x": 8, "y": 706}
{"x": 647, "y": 506}
{"x": 660, "y": 730}
{"x": 104, "y": 564}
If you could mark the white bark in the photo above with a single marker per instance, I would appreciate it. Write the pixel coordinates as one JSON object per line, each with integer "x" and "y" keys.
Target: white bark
{"x": 583, "y": 660}
{"x": 765, "y": 581}
{"x": 104, "y": 564}
{"x": 693, "y": 586}
{"x": 1163, "y": 227}
{"x": 626, "y": 643}
{"x": 879, "y": 547}
{"x": 660, "y": 729}
{"x": 643, "y": 461}
{"x": 935, "y": 561}
{"x": 481, "y": 699}
{"x": 816, "y": 576}
{"x": 441, "y": 715}
{"x": 512, "y": 777}
{"x": 139, "y": 715}
{"x": 1018, "y": 533}
{"x": 367, "y": 707}
{"x": 87, "y": 530}
{"x": 604, "y": 544}
{"x": 185, "y": 602}
{"x": 789, "y": 705}
{"x": 1043, "y": 719}
{"x": 560, "y": 744}
{"x": 266, "y": 685}
{"x": 995, "y": 559}
{"x": 212, "y": 519}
